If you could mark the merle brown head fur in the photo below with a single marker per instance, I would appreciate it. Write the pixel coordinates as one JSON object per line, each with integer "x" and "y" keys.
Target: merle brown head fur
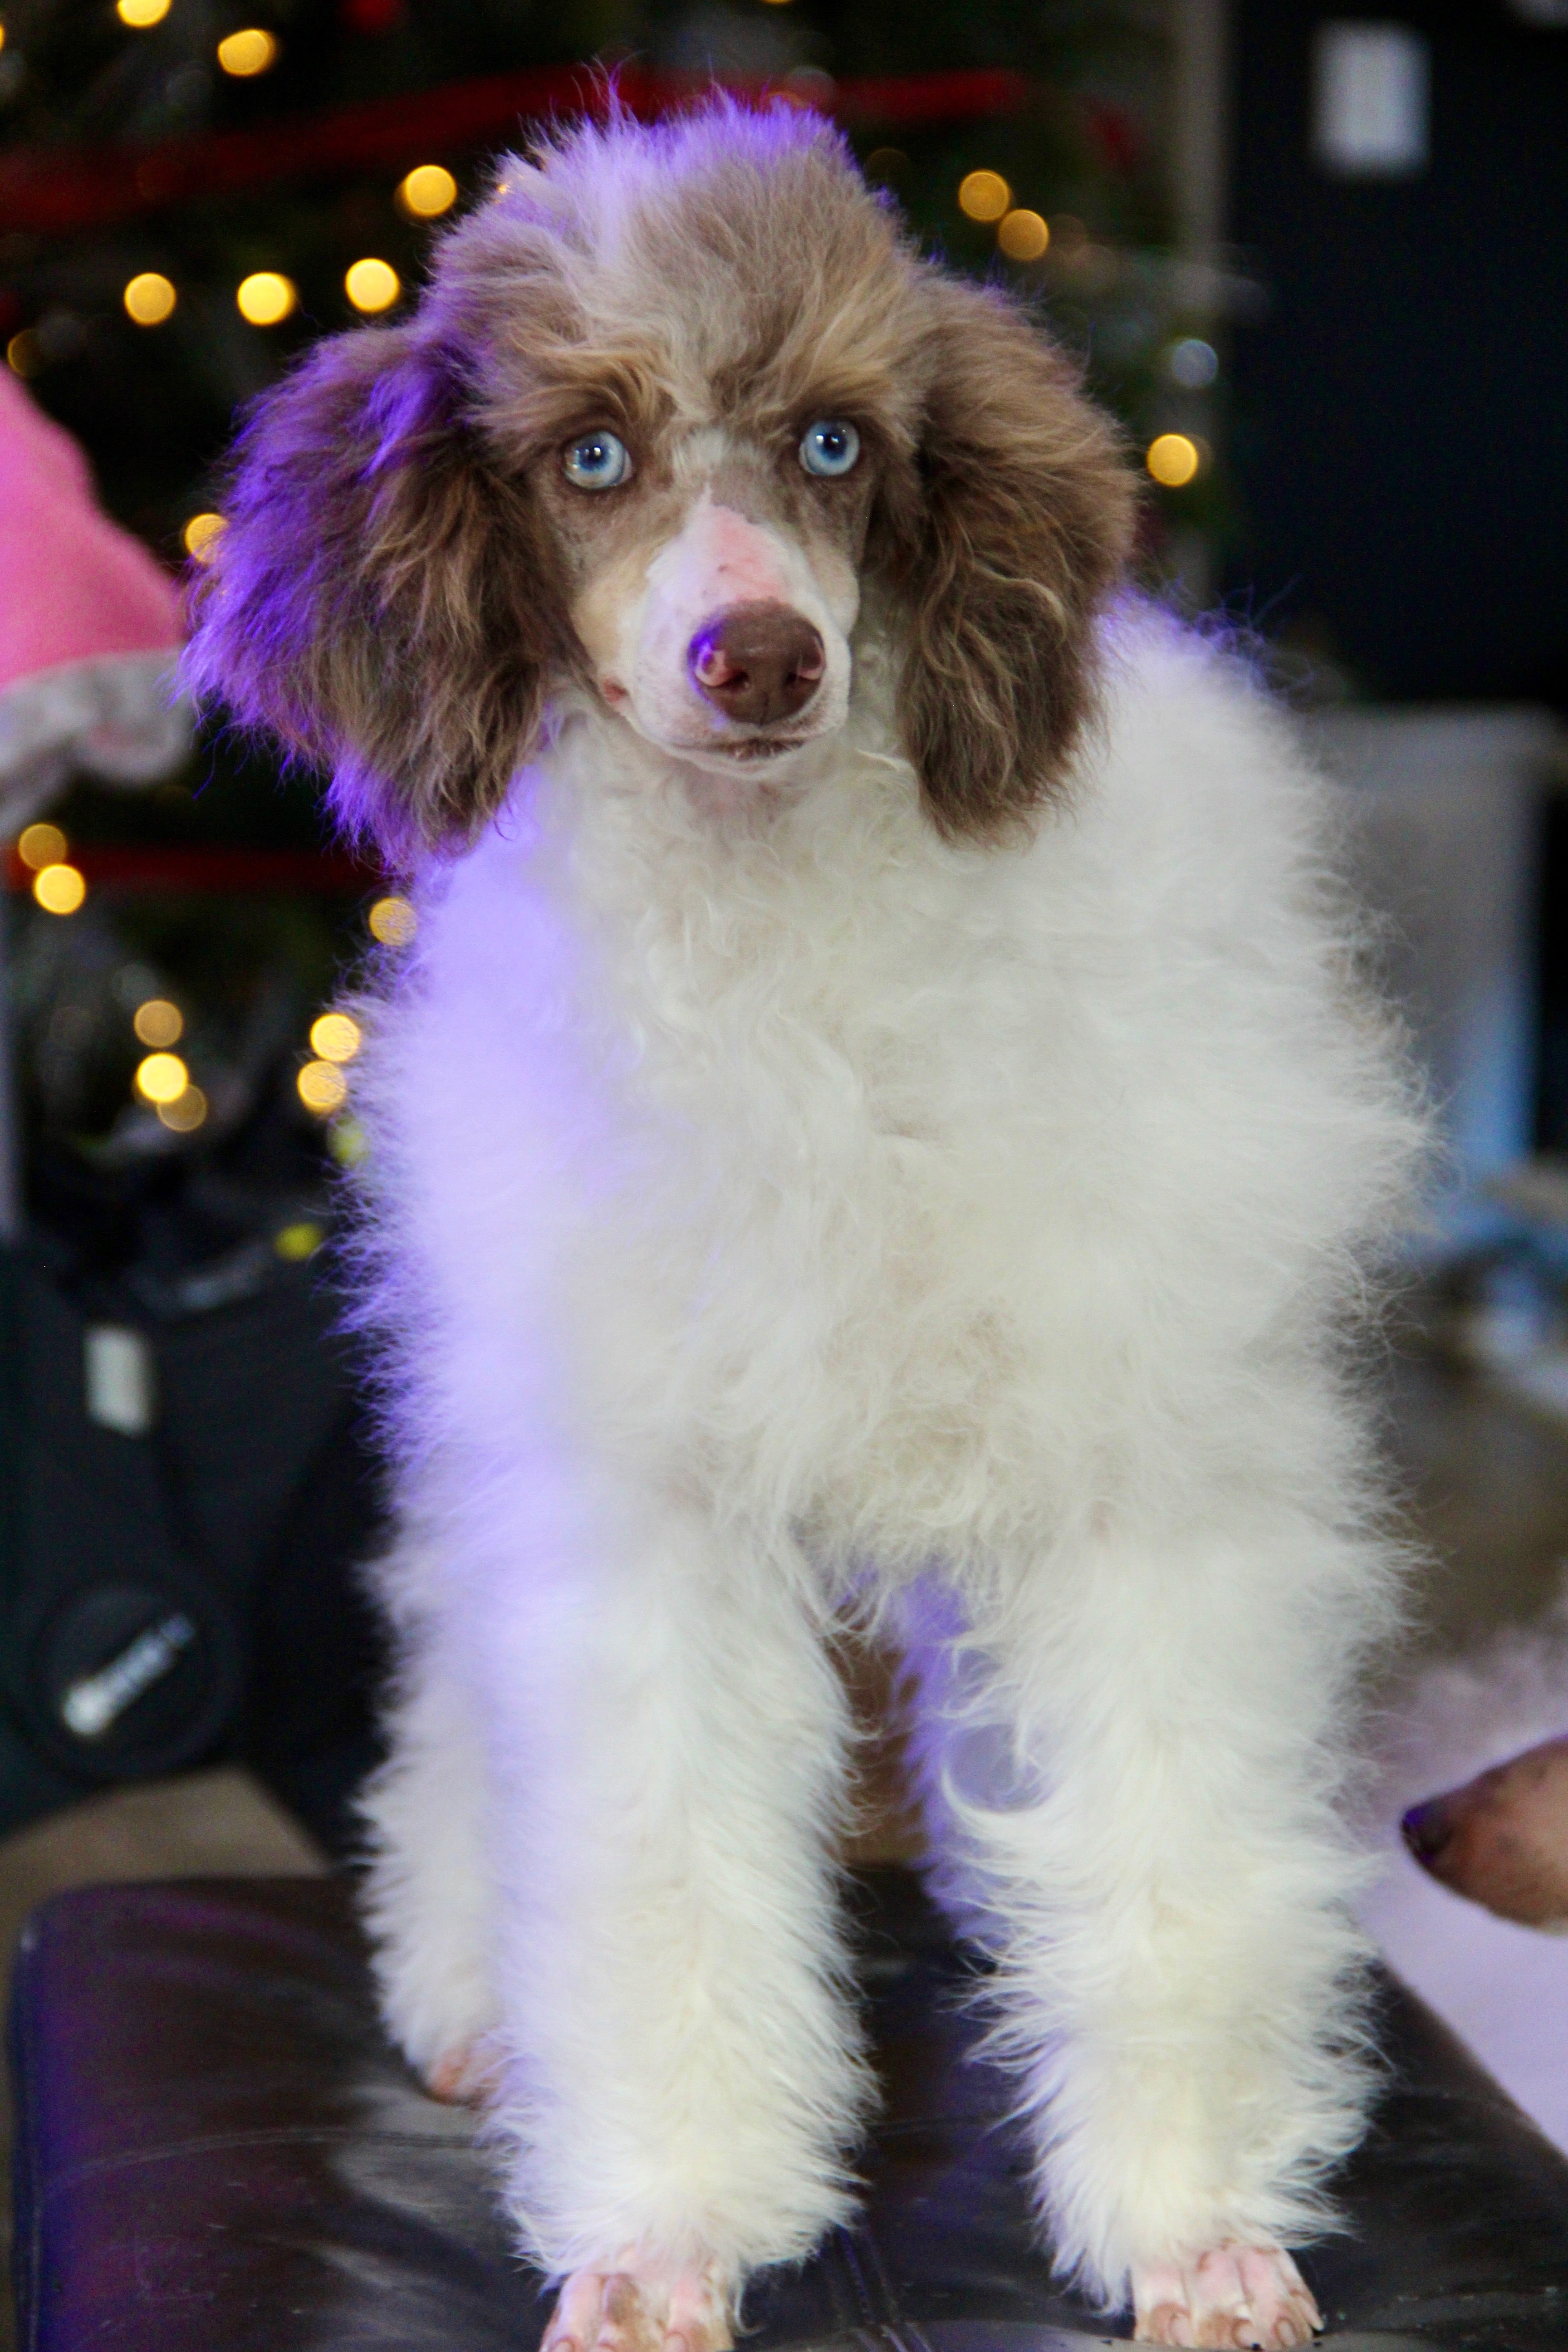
{"x": 393, "y": 597}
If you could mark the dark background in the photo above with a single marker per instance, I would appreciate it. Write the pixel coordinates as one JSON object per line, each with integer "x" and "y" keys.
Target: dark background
{"x": 1399, "y": 449}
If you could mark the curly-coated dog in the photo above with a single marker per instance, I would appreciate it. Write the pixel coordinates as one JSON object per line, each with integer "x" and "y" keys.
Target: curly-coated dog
{"x": 878, "y": 1119}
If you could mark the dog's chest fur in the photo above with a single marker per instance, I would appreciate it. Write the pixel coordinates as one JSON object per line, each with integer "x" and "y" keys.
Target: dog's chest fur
{"x": 746, "y": 1134}
{"x": 858, "y": 1179}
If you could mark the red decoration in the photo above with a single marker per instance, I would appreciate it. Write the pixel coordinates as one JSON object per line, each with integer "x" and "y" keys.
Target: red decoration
{"x": 52, "y": 191}
{"x": 373, "y": 16}
{"x": 224, "y": 872}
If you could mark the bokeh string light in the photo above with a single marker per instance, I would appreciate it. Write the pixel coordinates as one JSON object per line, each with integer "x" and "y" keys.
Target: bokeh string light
{"x": 159, "y": 1023}
{"x": 1174, "y": 459}
{"x": 266, "y": 297}
{"x": 150, "y": 299}
{"x": 161, "y": 1078}
{"x": 347, "y": 1140}
{"x": 60, "y": 889}
{"x": 323, "y": 1088}
{"x": 393, "y": 921}
{"x": 427, "y": 192}
{"x": 1023, "y": 236}
{"x": 41, "y": 844}
{"x": 335, "y": 1036}
{"x": 298, "y": 1240}
{"x": 141, "y": 13}
{"x": 185, "y": 1113}
{"x": 984, "y": 195}
{"x": 1192, "y": 363}
{"x": 247, "y": 53}
{"x": 202, "y": 534}
{"x": 372, "y": 286}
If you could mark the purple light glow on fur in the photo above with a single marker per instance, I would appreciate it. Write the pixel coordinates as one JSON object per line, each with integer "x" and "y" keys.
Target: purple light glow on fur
{"x": 942, "y": 1157}
{"x": 391, "y": 597}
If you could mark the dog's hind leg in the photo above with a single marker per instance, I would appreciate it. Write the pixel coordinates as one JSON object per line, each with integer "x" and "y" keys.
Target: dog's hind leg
{"x": 1165, "y": 1883}
{"x": 665, "y": 1740}
{"x": 427, "y": 1898}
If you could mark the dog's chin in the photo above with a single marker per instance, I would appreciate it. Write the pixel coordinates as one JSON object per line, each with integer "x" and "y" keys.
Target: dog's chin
{"x": 754, "y": 780}
{"x": 759, "y": 755}
{"x": 754, "y": 765}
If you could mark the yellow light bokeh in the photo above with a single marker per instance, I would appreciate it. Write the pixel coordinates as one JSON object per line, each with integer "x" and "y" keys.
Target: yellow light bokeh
{"x": 150, "y": 299}
{"x": 140, "y": 13}
{"x": 335, "y": 1036}
{"x": 322, "y": 1087}
{"x": 347, "y": 1141}
{"x": 202, "y": 534}
{"x": 161, "y": 1078}
{"x": 41, "y": 844}
{"x": 2, "y": 36}
{"x": 393, "y": 921}
{"x": 1174, "y": 459}
{"x": 159, "y": 1023}
{"x": 247, "y": 53}
{"x": 983, "y": 196}
{"x": 23, "y": 353}
{"x": 298, "y": 1240}
{"x": 1023, "y": 236}
{"x": 60, "y": 889}
{"x": 185, "y": 1113}
{"x": 428, "y": 190}
{"x": 372, "y": 286}
{"x": 266, "y": 297}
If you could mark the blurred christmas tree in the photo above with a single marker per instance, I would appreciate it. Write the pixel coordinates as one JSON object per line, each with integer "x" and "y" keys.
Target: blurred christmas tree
{"x": 192, "y": 190}
{"x": 159, "y": 157}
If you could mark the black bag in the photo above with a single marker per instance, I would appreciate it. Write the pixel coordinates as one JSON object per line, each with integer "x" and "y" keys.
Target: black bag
{"x": 187, "y": 1493}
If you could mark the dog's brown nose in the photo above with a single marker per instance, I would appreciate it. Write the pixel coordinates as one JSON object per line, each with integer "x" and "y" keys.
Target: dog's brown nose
{"x": 756, "y": 663}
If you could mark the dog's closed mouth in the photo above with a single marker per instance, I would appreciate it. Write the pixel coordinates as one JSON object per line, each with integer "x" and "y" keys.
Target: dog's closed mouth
{"x": 761, "y": 747}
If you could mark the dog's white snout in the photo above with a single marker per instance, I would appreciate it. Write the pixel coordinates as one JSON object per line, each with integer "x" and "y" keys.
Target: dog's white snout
{"x": 757, "y": 663}
{"x": 736, "y": 649}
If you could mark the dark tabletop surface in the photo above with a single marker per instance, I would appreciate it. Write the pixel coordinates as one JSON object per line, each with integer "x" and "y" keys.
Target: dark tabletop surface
{"x": 217, "y": 2148}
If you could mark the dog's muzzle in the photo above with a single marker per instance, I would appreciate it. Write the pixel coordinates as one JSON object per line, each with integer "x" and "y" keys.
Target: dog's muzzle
{"x": 757, "y": 663}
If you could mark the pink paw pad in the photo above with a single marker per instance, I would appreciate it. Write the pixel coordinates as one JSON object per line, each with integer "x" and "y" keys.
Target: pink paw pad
{"x": 464, "y": 2076}
{"x": 1249, "y": 2297}
{"x": 640, "y": 2307}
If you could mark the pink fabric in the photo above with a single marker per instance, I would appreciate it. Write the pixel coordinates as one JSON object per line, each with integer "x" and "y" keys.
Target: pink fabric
{"x": 76, "y": 586}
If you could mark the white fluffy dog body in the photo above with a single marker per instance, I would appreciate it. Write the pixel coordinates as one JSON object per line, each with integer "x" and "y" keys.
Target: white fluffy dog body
{"x": 785, "y": 1204}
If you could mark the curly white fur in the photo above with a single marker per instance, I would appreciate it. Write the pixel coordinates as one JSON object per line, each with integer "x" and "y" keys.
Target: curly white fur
{"x": 770, "y": 1216}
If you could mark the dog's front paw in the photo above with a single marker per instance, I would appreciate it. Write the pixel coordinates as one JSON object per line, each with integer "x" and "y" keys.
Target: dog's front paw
{"x": 641, "y": 2306}
{"x": 1236, "y": 2295}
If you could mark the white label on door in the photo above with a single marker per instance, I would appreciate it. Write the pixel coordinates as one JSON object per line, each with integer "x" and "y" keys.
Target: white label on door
{"x": 1371, "y": 101}
{"x": 120, "y": 1378}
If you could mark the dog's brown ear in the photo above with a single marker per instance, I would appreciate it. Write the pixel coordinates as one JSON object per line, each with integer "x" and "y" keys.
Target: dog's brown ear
{"x": 381, "y": 600}
{"x": 1001, "y": 556}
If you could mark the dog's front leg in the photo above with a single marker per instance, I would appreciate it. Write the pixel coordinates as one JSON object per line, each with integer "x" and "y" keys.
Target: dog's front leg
{"x": 678, "y": 2071}
{"x": 1167, "y": 1884}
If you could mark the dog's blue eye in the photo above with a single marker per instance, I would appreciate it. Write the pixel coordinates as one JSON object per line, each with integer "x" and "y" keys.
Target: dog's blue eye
{"x": 829, "y": 449}
{"x": 598, "y": 462}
